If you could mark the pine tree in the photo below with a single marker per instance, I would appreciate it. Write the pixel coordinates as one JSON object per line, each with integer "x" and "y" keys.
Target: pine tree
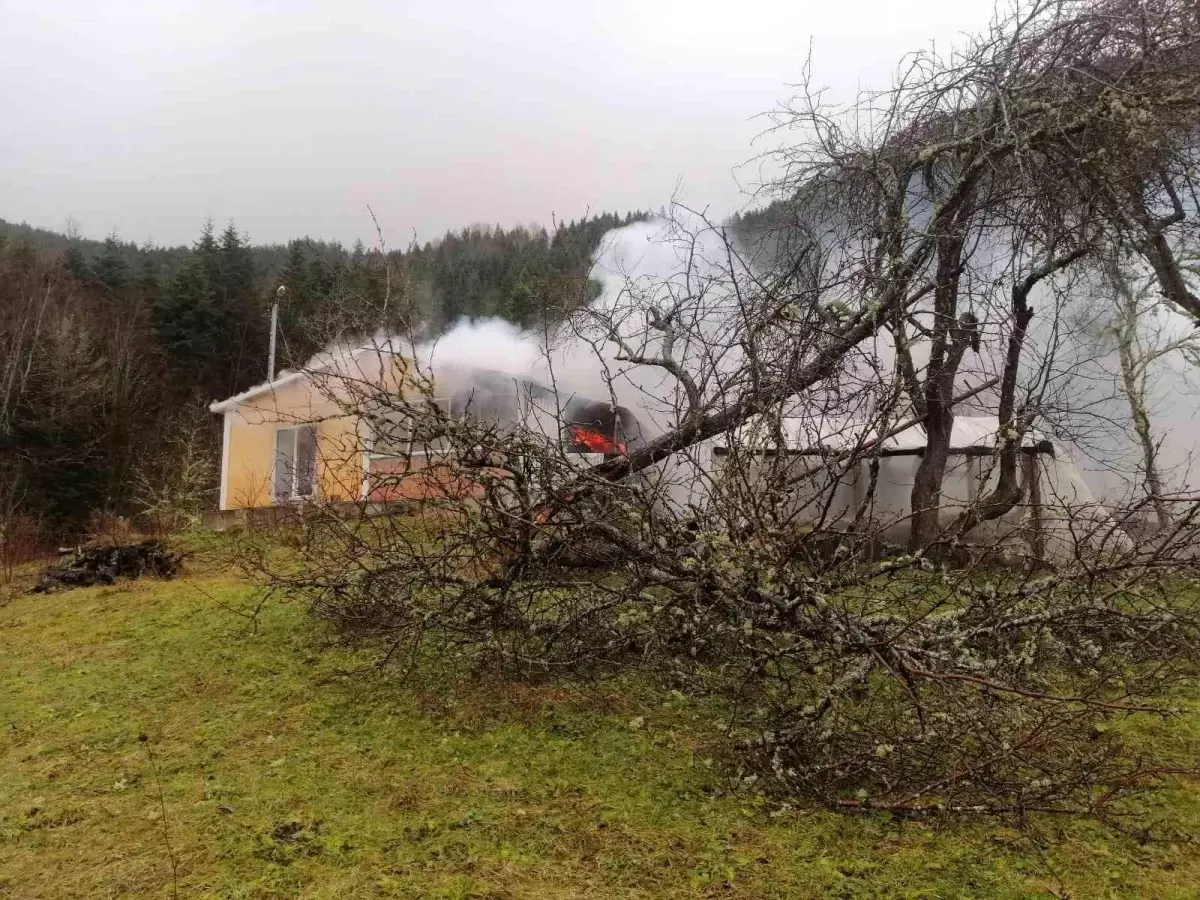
{"x": 112, "y": 268}
{"x": 148, "y": 276}
{"x": 75, "y": 264}
{"x": 235, "y": 263}
{"x": 310, "y": 276}
{"x": 208, "y": 320}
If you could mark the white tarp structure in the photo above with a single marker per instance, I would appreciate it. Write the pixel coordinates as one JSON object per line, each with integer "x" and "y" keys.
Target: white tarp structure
{"x": 1057, "y": 509}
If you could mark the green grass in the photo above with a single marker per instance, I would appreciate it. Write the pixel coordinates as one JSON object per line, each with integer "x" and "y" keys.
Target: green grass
{"x": 280, "y": 779}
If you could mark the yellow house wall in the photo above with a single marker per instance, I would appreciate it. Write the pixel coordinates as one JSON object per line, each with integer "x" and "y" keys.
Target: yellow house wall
{"x": 248, "y": 461}
{"x": 249, "y": 453}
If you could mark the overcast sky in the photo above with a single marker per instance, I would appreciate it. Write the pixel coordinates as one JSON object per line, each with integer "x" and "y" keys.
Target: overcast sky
{"x": 291, "y": 118}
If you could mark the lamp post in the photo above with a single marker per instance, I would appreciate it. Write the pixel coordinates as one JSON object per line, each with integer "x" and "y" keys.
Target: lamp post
{"x": 279, "y": 292}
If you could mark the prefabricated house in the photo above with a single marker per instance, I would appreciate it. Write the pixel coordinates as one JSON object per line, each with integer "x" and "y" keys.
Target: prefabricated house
{"x": 290, "y": 440}
{"x": 311, "y": 435}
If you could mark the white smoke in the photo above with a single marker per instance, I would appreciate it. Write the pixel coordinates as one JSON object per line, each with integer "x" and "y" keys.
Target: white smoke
{"x": 494, "y": 344}
{"x": 660, "y": 262}
{"x": 1098, "y": 413}
{"x": 651, "y": 262}
{"x": 640, "y": 260}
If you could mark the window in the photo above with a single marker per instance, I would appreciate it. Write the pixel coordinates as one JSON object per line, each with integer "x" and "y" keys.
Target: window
{"x": 295, "y": 463}
{"x": 397, "y": 433}
{"x": 392, "y": 433}
{"x": 490, "y": 405}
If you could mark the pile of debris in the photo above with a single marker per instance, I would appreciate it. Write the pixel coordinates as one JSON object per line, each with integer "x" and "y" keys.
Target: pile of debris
{"x": 105, "y": 564}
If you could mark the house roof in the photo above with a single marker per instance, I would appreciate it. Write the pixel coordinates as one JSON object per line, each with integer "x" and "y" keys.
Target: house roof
{"x": 346, "y": 363}
{"x": 231, "y": 403}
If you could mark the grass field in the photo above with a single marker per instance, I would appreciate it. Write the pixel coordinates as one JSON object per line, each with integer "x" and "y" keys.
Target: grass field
{"x": 152, "y": 746}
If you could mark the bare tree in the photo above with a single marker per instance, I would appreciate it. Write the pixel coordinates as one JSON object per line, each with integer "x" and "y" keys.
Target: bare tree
{"x": 722, "y": 505}
{"x": 1145, "y": 331}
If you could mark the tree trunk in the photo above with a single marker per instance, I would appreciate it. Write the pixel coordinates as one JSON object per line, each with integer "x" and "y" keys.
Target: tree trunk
{"x": 950, "y": 340}
{"x": 1013, "y": 424}
{"x": 1133, "y": 361}
{"x": 927, "y": 486}
{"x": 1136, "y": 394}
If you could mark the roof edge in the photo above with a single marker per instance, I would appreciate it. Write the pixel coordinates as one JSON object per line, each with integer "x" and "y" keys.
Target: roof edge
{"x": 231, "y": 403}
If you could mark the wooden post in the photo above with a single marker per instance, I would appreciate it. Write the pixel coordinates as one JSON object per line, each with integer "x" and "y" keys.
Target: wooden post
{"x": 1033, "y": 491}
{"x": 858, "y": 486}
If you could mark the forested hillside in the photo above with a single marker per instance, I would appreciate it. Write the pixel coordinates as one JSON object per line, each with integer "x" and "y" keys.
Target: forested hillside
{"x": 110, "y": 352}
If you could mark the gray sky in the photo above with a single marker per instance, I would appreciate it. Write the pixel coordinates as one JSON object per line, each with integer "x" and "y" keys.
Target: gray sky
{"x": 290, "y": 118}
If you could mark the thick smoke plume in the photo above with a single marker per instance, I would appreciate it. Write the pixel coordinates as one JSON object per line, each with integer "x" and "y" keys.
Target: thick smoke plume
{"x": 663, "y": 261}
{"x": 638, "y": 266}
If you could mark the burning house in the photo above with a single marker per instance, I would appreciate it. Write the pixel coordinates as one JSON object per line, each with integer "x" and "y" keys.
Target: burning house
{"x": 320, "y": 433}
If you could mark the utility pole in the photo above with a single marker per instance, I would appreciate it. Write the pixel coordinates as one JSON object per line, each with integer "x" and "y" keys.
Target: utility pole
{"x": 280, "y": 291}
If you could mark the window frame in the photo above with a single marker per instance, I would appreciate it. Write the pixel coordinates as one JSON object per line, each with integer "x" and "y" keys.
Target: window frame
{"x": 292, "y": 495}
{"x": 445, "y": 403}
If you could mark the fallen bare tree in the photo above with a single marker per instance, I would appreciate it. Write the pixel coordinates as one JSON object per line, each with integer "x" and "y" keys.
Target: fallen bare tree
{"x": 815, "y": 478}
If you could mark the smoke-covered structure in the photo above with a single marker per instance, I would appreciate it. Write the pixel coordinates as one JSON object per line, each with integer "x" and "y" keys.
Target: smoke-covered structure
{"x": 852, "y": 513}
